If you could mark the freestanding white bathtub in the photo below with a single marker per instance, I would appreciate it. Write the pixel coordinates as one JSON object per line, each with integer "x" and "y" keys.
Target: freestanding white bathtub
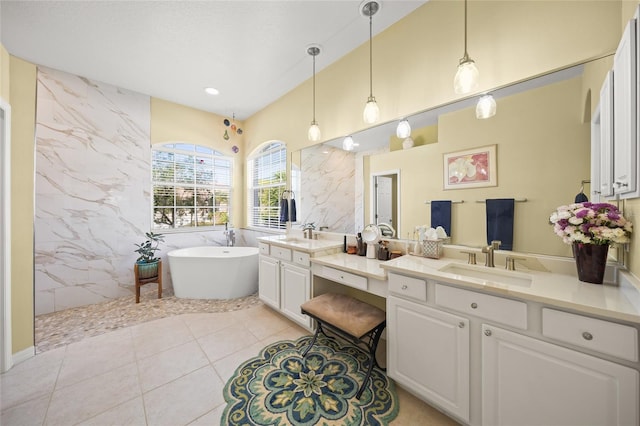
{"x": 214, "y": 272}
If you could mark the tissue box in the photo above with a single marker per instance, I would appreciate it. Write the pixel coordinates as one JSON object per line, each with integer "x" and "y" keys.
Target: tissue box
{"x": 433, "y": 248}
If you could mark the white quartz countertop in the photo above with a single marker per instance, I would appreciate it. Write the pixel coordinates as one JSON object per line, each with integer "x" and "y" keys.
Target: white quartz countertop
{"x": 617, "y": 302}
{"x": 360, "y": 265}
{"x": 309, "y": 246}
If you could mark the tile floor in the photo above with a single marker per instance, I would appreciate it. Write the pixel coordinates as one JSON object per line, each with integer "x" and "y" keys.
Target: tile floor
{"x": 168, "y": 371}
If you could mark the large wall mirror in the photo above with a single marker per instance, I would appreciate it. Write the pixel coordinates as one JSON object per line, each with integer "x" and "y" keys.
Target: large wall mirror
{"x": 542, "y": 137}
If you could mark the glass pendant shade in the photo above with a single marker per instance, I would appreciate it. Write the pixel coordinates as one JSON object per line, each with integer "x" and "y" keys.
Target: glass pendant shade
{"x": 347, "y": 143}
{"x": 466, "y": 79}
{"x": 486, "y": 107}
{"x": 314, "y": 132}
{"x": 404, "y": 129}
{"x": 371, "y": 112}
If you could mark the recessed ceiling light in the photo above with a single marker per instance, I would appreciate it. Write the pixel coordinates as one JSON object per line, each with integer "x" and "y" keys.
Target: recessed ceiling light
{"x": 212, "y": 91}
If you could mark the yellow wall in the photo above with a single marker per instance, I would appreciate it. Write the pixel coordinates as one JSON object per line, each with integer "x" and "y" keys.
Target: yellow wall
{"x": 415, "y": 59}
{"x": 4, "y": 73}
{"x": 172, "y": 122}
{"x": 414, "y": 62}
{"x": 23, "y": 112}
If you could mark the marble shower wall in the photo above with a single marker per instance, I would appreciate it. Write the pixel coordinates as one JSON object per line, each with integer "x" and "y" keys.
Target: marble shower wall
{"x": 328, "y": 189}
{"x": 92, "y": 189}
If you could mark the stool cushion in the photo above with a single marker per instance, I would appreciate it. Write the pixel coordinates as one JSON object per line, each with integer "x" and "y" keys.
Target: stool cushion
{"x": 351, "y": 315}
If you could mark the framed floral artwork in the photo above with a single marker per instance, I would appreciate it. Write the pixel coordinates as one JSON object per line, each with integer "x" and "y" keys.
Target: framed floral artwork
{"x": 472, "y": 168}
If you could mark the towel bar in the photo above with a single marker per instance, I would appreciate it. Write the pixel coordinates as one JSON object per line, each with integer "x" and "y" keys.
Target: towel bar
{"x": 517, "y": 200}
{"x": 453, "y": 202}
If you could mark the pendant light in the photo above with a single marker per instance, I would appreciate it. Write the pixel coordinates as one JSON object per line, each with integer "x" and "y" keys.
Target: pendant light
{"x": 403, "y": 130}
{"x": 347, "y": 143}
{"x": 466, "y": 79}
{"x": 314, "y": 134}
{"x": 371, "y": 112}
{"x": 486, "y": 107}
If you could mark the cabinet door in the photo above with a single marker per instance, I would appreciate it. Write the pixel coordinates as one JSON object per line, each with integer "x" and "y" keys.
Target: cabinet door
{"x": 526, "y": 381}
{"x": 269, "y": 281}
{"x": 605, "y": 146}
{"x": 428, "y": 352}
{"x": 295, "y": 290}
{"x": 624, "y": 117}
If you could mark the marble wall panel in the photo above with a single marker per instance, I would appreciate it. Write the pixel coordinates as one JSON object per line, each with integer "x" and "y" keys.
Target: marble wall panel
{"x": 327, "y": 186}
{"x": 92, "y": 189}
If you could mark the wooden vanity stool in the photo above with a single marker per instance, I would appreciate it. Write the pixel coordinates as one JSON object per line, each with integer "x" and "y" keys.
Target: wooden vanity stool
{"x": 350, "y": 318}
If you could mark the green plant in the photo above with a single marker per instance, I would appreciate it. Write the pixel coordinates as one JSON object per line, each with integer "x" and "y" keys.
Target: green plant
{"x": 147, "y": 250}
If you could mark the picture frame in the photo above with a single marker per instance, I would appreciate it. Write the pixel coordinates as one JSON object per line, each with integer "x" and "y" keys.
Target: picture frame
{"x": 471, "y": 168}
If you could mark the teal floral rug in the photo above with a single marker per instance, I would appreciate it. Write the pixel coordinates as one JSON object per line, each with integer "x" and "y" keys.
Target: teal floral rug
{"x": 279, "y": 387}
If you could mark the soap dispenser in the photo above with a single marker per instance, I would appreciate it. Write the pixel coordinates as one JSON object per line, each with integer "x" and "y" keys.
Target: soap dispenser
{"x": 362, "y": 248}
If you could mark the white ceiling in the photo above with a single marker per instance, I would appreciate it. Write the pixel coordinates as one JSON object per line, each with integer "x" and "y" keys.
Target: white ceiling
{"x": 253, "y": 52}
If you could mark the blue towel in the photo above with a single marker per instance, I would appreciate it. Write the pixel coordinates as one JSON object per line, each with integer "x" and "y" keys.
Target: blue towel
{"x": 581, "y": 198}
{"x": 284, "y": 210}
{"x": 500, "y": 214}
{"x": 441, "y": 215}
{"x": 292, "y": 211}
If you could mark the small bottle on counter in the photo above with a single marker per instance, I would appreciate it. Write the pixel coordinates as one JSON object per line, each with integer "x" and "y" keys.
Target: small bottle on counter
{"x": 344, "y": 245}
{"x": 362, "y": 248}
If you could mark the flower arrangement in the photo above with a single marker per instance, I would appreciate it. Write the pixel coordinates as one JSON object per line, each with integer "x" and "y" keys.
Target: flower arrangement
{"x": 591, "y": 223}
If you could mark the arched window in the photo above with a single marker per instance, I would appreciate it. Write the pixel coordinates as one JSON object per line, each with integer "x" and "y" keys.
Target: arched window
{"x": 267, "y": 179}
{"x": 191, "y": 186}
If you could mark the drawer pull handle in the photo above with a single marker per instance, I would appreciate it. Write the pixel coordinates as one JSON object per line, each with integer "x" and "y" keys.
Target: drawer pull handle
{"x": 587, "y": 336}
{"x": 404, "y": 287}
{"x": 461, "y": 324}
{"x": 487, "y": 332}
{"x": 474, "y": 305}
{"x": 342, "y": 277}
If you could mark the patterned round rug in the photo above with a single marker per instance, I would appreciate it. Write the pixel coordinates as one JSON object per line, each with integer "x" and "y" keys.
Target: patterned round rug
{"x": 279, "y": 387}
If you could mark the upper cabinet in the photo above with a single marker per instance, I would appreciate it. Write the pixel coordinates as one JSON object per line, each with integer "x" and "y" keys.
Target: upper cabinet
{"x": 615, "y": 152}
{"x": 625, "y": 141}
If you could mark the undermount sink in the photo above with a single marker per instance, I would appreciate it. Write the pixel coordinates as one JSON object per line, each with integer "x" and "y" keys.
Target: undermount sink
{"x": 489, "y": 275}
{"x": 294, "y": 240}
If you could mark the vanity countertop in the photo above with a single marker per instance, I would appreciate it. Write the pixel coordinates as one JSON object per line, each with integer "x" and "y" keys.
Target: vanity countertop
{"x": 564, "y": 291}
{"x": 360, "y": 265}
{"x": 309, "y": 246}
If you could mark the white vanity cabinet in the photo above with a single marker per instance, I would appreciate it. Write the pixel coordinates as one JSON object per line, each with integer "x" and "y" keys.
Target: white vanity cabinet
{"x": 529, "y": 381}
{"x": 488, "y": 359}
{"x": 428, "y": 352}
{"x": 269, "y": 281}
{"x": 285, "y": 280}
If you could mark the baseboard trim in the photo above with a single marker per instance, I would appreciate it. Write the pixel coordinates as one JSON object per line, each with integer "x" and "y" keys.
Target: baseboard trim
{"x": 23, "y": 355}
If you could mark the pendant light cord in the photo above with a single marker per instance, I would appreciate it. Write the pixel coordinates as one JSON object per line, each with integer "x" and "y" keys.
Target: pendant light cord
{"x": 314, "y": 88}
{"x": 466, "y": 55}
{"x": 371, "y": 55}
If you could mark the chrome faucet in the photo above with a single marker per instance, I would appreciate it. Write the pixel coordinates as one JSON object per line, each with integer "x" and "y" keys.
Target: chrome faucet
{"x": 230, "y": 234}
{"x": 489, "y": 260}
{"x": 307, "y": 230}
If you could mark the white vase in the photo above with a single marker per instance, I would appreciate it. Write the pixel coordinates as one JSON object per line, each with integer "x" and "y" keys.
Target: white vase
{"x": 407, "y": 143}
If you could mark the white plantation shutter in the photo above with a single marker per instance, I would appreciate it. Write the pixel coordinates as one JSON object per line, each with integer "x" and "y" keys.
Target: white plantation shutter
{"x": 191, "y": 186}
{"x": 267, "y": 179}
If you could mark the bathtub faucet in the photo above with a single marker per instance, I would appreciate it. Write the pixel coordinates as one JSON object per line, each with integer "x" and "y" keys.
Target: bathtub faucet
{"x": 230, "y": 234}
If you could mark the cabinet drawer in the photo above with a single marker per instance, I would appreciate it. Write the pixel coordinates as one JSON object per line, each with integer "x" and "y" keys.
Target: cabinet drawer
{"x": 599, "y": 335}
{"x": 408, "y": 287}
{"x": 263, "y": 248}
{"x": 505, "y": 311}
{"x": 281, "y": 253}
{"x": 345, "y": 278}
{"x": 302, "y": 259}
